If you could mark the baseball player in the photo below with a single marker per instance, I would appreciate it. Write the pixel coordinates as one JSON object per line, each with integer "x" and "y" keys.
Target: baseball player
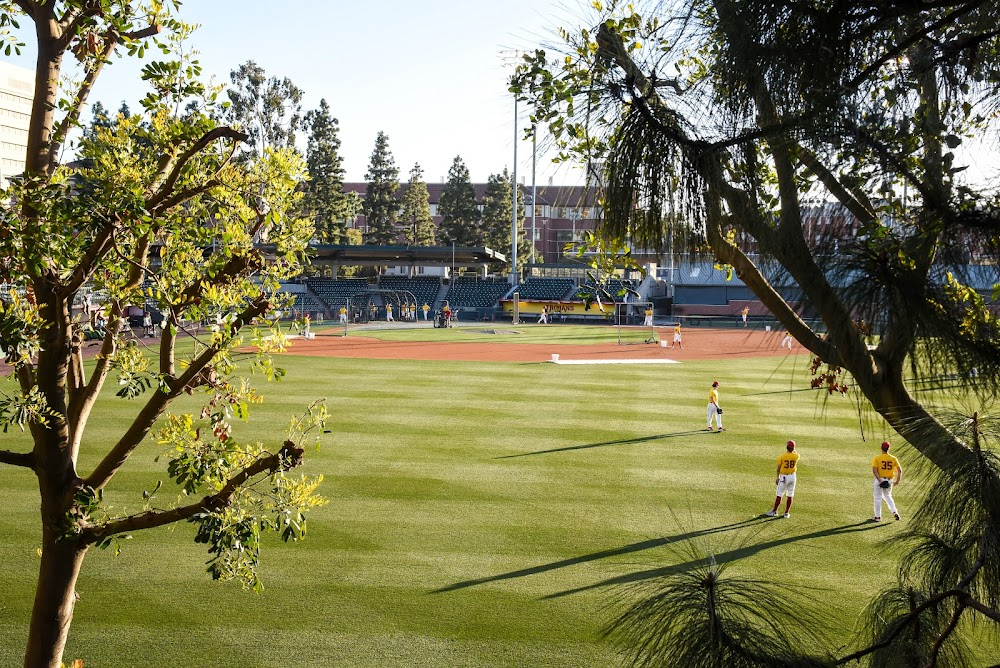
{"x": 887, "y": 473}
{"x": 343, "y": 315}
{"x": 785, "y": 479}
{"x": 787, "y": 341}
{"x": 714, "y": 411}
{"x": 543, "y": 319}
{"x": 745, "y": 312}
{"x": 677, "y": 337}
{"x": 648, "y": 320}
{"x": 388, "y": 313}
{"x": 426, "y": 307}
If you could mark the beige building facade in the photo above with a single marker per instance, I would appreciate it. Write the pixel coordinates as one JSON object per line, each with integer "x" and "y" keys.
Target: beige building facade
{"x": 17, "y": 87}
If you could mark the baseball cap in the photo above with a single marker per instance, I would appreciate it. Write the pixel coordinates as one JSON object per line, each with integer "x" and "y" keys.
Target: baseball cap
{"x": 715, "y": 384}
{"x": 885, "y": 446}
{"x": 790, "y": 445}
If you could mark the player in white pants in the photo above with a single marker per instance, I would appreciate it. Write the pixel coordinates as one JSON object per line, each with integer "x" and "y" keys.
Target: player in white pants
{"x": 885, "y": 467}
{"x": 713, "y": 408}
{"x": 785, "y": 479}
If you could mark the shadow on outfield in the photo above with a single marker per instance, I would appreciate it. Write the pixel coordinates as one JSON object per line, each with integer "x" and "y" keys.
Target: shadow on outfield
{"x": 722, "y": 557}
{"x": 604, "y": 554}
{"x": 624, "y": 441}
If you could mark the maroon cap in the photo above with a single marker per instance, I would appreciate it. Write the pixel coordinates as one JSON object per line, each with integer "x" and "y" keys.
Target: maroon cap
{"x": 885, "y": 446}
{"x": 715, "y": 384}
{"x": 790, "y": 445}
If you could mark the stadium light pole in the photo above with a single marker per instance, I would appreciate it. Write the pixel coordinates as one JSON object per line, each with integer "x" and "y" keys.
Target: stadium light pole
{"x": 534, "y": 146}
{"x": 513, "y": 212}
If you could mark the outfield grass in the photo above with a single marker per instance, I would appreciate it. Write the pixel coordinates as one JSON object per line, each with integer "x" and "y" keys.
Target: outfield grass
{"x": 481, "y": 515}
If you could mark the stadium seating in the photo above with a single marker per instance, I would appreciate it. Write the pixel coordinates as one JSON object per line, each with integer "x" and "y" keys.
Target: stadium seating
{"x": 335, "y": 292}
{"x": 305, "y": 302}
{"x": 476, "y": 293}
{"x": 424, "y": 288}
{"x": 546, "y": 288}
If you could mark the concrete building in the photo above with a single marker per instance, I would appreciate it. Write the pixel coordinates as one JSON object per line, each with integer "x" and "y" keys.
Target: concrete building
{"x": 17, "y": 88}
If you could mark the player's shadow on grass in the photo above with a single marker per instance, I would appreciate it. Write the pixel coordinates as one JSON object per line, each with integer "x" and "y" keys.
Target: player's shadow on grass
{"x": 603, "y": 554}
{"x": 722, "y": 557}
{"x": 624, "y": 441}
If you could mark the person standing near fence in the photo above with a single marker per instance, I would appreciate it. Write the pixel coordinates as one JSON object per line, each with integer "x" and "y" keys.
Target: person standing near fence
{"x": 426, "y": 308}
{"x": 648, "y": 320}
{"x": 388, "y": 313}
{"x": 343, "y": 315}
{"x": 745, "y": 312}
{"x": 887, "y": 473}
{"x": 714, "y": 409}
{"x": 543, "y": 319}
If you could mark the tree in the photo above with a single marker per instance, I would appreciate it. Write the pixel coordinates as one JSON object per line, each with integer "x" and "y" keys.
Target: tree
{"x": 381, "y": 208}
{"x": 418, "y": 224}
{"x": 325, "y": 200}
{"x": 497, "y": 222}
{"x": 269, "y": 111}
{"x": 154, "y": 214}
{"x": 460, "y": 218}
{"x": 775, "y": 104}
{"x": 99, "y": 118}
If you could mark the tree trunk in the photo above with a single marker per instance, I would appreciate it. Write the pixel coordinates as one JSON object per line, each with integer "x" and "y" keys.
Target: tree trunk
{"x": 55, "y": 598}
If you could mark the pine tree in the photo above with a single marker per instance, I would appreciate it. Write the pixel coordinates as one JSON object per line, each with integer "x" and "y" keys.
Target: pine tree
{"x": 381, "y": 208}
{"x": 418, "y": 225}
{"x": 496, "y": 224}
{"x": 458, "y": 208}
{"x": 325, "y": 201}
{"x": 269, "y": 110}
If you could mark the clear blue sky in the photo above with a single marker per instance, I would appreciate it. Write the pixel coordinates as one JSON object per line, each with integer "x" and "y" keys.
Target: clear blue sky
{"x": 429, "y": 74}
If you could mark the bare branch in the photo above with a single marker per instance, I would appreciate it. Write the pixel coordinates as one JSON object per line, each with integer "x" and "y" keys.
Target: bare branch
{"x": 287, "y": 458}
{"x": 74, "y": 17}
{"x": 85, "y": 269}
{"x": 30, "y": 7}
{"x": 158, "y": 402}
{"x": 25, "y": 459}
{"x": 76, "y": 107}
{"x": 861, "y": 210}
{"x": 939, "y": 643}
{"x": 970, "y": 602}
{"x": 183, "y": 195}
{"x": 81, "y": 402}
{"x": 166, "y": 189}
{"x": 148, "y": 31}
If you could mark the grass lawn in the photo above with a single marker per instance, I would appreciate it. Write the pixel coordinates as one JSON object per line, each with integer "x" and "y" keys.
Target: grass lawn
{"x": 480, "y": 515}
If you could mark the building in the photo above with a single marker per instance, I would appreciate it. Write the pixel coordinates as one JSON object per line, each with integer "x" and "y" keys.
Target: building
{"x": 562, "y": 214}
{"x": 17, "y": 89}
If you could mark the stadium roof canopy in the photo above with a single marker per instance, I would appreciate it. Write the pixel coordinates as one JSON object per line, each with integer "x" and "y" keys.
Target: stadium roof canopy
{"x": 459, "y": 256}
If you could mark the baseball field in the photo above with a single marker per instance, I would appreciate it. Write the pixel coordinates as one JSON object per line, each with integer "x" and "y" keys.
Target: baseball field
{"x": 488, "y": 507}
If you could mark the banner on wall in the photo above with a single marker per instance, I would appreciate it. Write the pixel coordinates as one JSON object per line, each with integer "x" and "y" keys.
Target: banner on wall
{"x": 553, "y": 307}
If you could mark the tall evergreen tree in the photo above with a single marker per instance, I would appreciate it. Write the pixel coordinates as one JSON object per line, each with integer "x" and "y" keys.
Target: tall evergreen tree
{"x": 460, "y": 219}
{"x": 418, "y": 225}
{"x": 325, "y": 201}
{"x": 268, "y": 110}
{"x": 100, "y": 117}
{"x": 381, "y": 208}
{"x": 496, "y": 224}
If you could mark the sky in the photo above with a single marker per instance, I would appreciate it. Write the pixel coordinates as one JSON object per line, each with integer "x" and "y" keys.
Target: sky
{"x": 431, "y": 75}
